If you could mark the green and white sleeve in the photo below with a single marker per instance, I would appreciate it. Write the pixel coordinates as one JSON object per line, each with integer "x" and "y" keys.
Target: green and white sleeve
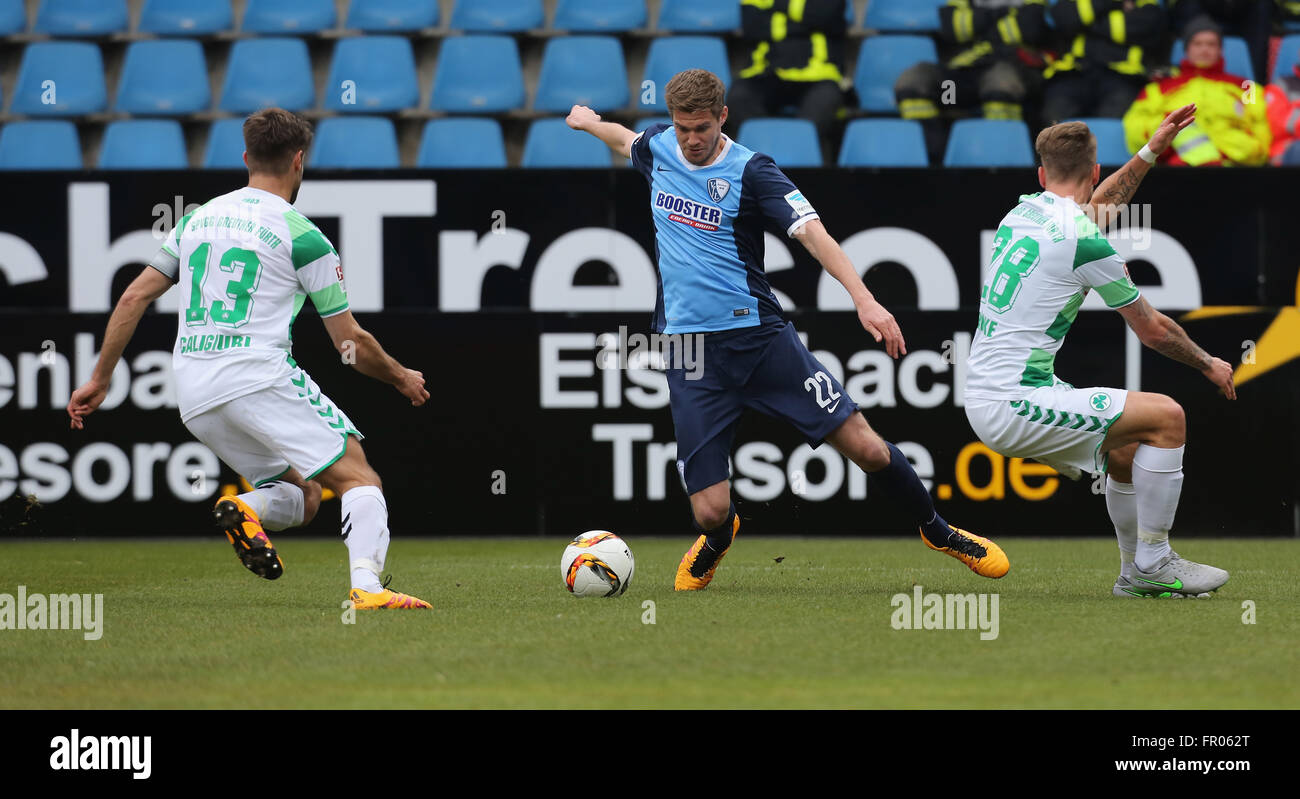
{"x": 1099, "y": 267}
{"x": 316, "y": 264}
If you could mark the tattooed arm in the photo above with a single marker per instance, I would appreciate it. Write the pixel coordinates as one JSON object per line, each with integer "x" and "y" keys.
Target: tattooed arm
{"x": 1119, "y": 188}
{"x": 1168, "y": 338}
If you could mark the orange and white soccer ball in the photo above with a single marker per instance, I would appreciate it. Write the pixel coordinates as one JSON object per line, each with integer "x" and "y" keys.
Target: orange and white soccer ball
{"x": 597, "y": 563}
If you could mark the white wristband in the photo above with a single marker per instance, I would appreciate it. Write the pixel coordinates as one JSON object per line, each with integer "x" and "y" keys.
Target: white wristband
{"x": 1146, "y": 155}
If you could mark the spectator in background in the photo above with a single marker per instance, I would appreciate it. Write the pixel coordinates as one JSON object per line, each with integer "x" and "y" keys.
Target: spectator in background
{"x": 1288, "y": 11}
{"x": 1105, "y": 52}
{"x": 1252, "y": 20}
{"x": 992, "y": 59}
{"x": 1231, "y": 126}
{"x": 797, "y": 51}
{"x": 1284, "y": 118}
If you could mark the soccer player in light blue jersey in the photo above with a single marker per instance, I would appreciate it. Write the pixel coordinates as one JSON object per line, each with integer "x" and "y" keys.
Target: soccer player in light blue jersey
{"x": 711, "y": 200}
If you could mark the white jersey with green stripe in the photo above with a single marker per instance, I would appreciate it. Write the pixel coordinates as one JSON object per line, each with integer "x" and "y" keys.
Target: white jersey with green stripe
{"x": 246, "y": 262}
{"x": 1046, "y": 256}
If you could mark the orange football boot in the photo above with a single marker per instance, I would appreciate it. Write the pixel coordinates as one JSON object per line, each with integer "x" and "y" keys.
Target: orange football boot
{"x": 385, "y": 600}
{"x": 696, "y": 569}
{"x": 243, "y": 529}
{"x": 984, "y": 557}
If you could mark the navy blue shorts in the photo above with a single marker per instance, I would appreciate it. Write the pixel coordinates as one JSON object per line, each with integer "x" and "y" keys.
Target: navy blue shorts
{"x": 765, "y": 368}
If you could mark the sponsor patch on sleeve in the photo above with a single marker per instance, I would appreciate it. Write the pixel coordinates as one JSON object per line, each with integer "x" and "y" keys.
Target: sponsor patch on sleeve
{"x": 797, "y": 202}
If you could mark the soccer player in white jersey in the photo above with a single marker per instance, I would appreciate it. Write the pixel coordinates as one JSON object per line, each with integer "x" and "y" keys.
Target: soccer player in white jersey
{"x": 1048, "y": 254}
{"x": 246, "y": 263}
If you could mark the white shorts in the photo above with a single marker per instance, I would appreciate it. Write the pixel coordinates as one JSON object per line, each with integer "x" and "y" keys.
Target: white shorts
{"x": 1059, "y": 425}
{"x": 262, "y": 434}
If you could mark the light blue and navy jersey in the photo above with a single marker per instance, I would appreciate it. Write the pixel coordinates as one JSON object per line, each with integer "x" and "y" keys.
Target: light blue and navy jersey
{"x": 709, "y": 224}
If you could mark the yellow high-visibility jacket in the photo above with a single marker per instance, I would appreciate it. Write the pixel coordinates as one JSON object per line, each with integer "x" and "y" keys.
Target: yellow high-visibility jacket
{"x": 1231, "y": 126}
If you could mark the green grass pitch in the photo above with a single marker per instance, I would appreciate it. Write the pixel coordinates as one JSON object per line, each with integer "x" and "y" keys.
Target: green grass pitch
{"x": 187, "y": 627}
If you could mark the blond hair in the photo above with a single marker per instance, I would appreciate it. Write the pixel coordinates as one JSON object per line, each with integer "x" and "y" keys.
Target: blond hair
{"x": 1067, "y": 151}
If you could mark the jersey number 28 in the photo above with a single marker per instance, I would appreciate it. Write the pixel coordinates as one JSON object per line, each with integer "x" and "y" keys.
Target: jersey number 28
{"x": 1010, "y": 265}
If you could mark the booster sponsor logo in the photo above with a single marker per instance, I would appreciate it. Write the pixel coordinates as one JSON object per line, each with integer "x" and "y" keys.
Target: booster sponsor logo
{"x": 689, "y": 212}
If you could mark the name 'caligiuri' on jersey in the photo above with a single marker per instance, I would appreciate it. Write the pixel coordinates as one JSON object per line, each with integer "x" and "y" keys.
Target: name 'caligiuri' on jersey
{"x": 1047, "y": 254}
{"x": 709, "y": 224}
{"x": 245, "y": 262}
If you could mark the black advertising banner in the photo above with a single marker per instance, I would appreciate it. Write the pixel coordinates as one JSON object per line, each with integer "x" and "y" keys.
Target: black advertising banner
{"x": 526, "y": 431}
{"x": 507, "y": 289}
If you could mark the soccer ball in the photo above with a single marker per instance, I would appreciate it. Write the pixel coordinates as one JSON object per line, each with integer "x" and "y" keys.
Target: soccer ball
{"x": 597, "y": 563}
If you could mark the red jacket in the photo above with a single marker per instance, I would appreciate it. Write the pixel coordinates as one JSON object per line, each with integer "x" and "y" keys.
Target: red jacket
{"x": 1284, "y": 113}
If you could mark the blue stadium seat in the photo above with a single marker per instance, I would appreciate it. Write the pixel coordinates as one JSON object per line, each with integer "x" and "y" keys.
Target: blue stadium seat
{"x": 186, "y": 17}
{"x": 599, "y": 15}
{"x": 462, "y": 143}
{"x": 587, "y": 70}
{"x": 355, "y": 143}
{"x": 1288, "y": 53}
{"x": 881, "y": 59}
{"x": 383, "y": 71}
{"x": 40, "y": 144}
{"x": 274, "y": 71}
{"x": 81, "y": 17}
{"x": 143, "y": 144}
{"x": 164, "y": 77}
{"x": 989, "y": 142}
{"x": 850, "y": 14}
{"x": 13, "y": 17}
{"x": 903, "y": 15}
{"x": 478, "y": 74}
{"x": 497, "y": 16}
{"x": 289, "y": 16}
{"x": 1236, "y": 56}
{"x": 672, "y": 54}
{"x": 699, "y": 16}
{"x": 225, "y": 149}
{"x": 1111, "y": 148}
{"x": 70, "y": 74}
{"x": 551, "y": 143}
{"x": 392, "y": 15}
{"x": 883, "y": 142}
{"x": 790, "y": 142}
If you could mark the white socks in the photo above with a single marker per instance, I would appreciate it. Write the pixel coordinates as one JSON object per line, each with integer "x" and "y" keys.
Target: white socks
{"x": 365, "y": 531}
{"x": 278, "y": 505}
{"x": 1121, "y": 504}
{"x": 1158, "y": 479}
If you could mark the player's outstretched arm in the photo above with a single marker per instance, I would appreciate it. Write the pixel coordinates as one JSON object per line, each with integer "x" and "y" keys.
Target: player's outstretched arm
{"x": 1120, "y": 187}
{"x": 616, "y": 137}
{"x": 1168, "y": 338}
{"x": 362, "y": 350}
{"x": 879, "y": 322}
{"x": 149, "y": 286}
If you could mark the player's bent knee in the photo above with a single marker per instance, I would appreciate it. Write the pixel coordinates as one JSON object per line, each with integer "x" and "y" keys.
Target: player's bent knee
{"x": 1174, "y": 423}
{"x": 712, "y": 518}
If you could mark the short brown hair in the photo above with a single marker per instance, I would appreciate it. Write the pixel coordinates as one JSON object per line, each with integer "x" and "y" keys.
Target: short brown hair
{"x": 1068, "y": 151}
{"x": 695, "y": 90}
{"x": 272, "y": 137}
